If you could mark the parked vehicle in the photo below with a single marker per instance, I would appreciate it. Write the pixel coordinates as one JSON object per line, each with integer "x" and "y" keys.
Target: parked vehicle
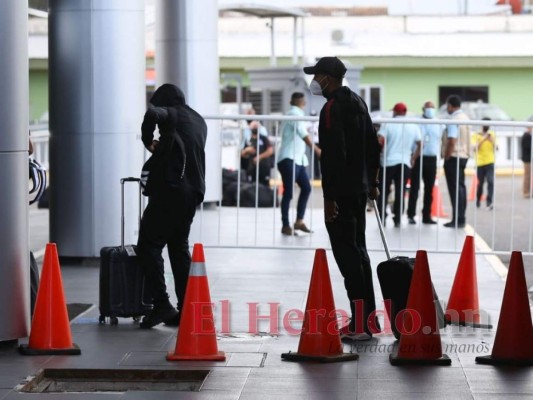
{"x": 479, "y": 110}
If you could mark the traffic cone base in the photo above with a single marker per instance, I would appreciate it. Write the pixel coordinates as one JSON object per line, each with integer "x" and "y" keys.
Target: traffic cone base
{"x": 490, "y": 360}
{"x": 24, "y": 349}
{"x": 455, "y": 322}
{"x": 397, "y": 360}
{"x": 317, "y": 342}
{"x": 219, "y": 356}
{"x": 290, "y": 356}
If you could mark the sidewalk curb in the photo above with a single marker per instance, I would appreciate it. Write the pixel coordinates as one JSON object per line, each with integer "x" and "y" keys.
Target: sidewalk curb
{"x": 493, "y": 260}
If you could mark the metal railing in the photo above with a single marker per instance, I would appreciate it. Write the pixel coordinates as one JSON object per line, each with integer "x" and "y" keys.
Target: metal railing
{"x": 217, "y": 225}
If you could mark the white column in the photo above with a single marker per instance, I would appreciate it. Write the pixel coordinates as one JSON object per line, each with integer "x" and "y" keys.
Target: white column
{"x": 14, "y": 110}
{"x": 97, "y": 102}
{"x": 186, "y": 54}
{"x": 273, "y": 61}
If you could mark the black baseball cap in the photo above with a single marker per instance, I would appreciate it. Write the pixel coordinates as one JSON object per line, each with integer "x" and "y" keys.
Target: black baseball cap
{"x": 329, "y": 66}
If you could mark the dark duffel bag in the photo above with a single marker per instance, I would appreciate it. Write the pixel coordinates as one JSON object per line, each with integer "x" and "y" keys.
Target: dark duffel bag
{"x": 265, "y": 195}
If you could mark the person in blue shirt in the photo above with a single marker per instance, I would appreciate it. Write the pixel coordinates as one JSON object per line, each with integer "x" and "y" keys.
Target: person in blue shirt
{"x": 292, "y": 163}
{"x": 398, "y": 158}
{"x": 425, "y": 166}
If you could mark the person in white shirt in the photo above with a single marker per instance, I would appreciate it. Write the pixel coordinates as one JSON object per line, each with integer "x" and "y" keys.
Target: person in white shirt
{"x": 456, "y": 150}
{"x": 398, "y": 141}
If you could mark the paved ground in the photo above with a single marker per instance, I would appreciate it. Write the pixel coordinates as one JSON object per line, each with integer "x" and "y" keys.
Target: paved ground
{"x": 253, "y": 369}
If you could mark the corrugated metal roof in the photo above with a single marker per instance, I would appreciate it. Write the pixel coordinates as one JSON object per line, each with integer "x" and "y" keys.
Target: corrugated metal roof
{"x": 262, "y": 10}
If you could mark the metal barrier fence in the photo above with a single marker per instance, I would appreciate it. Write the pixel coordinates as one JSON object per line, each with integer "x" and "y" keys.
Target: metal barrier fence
{"x": 508, "y": 226}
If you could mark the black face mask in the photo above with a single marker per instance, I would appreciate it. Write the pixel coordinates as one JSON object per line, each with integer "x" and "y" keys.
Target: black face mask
{"x": 254, "y": 131}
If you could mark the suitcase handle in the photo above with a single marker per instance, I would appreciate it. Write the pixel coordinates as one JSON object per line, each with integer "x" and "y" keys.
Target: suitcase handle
{"x": 381, "y": 230}
{"x": 122, "y": 181}
{"x": 129, "y": 179}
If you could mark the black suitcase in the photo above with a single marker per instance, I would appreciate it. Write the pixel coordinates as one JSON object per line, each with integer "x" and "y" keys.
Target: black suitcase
{"x": 394, "y": 277}
{"x": 123, "y": 292}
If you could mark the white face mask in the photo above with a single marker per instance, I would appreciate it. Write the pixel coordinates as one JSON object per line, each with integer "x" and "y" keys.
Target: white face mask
{"x": 429, "y": 112}
{"x": 315, "y": 88}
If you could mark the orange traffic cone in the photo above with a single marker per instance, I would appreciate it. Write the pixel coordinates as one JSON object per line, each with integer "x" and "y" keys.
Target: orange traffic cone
{"x": 196, "y": 335}
{"x": 420, "y": 341}
{"x": 473, "y": 188}
{"x": 513, "y": 344}
{"x": 437, "y": 210}
{"x": 320, "y": 339}
{"x": 50, "y": 327}
{"x": 472, "y": 195}
{"x": 463, "y": 304}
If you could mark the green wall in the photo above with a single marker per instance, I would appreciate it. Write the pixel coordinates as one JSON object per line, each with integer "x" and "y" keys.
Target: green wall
{"x": 510, "y": 88}
{"x": 38, "y": 93}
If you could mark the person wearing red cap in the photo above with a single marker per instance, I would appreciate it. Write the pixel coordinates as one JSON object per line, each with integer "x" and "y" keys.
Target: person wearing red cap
{"x": 350, "y": 163}
{"x": 398, "y": 157}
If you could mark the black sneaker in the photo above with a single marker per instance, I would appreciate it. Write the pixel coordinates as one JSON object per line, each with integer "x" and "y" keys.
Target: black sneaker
{"x": 451, "y": 224}
{"x": 158, "y": 316}
{"x": 429, "y": 221}
{"x": 411, "y": 221}
{"x": 174, "y": 321}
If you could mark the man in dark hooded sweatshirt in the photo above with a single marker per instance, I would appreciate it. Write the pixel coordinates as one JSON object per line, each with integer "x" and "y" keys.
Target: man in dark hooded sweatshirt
{"x": 350, "y": 164}
{"x": 176, "y": 185}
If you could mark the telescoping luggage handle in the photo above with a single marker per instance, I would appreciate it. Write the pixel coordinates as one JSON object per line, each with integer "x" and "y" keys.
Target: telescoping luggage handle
{"x": 381, "y": 231}
{"x": 122, "y": 181}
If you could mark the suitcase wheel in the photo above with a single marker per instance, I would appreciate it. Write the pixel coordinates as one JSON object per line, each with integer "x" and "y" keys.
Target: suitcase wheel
{"x": 101, "y": 319}
{"x": 114, "y": 321}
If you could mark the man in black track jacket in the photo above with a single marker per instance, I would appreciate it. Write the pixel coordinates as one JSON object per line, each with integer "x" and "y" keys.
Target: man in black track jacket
{"x": 175, "y": 185}
{"x": 350, "y": 165}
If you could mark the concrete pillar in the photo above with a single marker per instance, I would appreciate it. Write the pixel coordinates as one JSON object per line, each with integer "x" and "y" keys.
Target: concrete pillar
{"x": 186, "y": 54}
{"x": 97, "y": 101}
{"x": 14, "y": 114}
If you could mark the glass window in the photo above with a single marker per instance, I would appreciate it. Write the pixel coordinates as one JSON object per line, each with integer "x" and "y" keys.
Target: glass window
{"x": 372, "y": 95}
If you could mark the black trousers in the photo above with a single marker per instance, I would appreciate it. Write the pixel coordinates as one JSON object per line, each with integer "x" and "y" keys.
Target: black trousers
{"x": 429, "y": 172}
{"x": 454, "y": 170}
{"x": 485, "y": 172}
{"x": 393, "y": 174}
{"x": 167, "y": 222}
{"x": 348, "y": 242}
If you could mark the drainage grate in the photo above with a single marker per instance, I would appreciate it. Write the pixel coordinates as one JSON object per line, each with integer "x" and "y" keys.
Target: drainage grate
{"x": 114, "y": 380}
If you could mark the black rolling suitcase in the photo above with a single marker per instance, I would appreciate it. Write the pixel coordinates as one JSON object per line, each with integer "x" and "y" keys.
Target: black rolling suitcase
{"x": 394, "y": 277}
{"x": 123, "y": 292}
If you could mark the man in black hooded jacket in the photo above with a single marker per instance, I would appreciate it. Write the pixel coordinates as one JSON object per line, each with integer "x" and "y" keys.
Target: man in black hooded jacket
{"x": 350, "y": 164}
{"x": 176, "y": 185}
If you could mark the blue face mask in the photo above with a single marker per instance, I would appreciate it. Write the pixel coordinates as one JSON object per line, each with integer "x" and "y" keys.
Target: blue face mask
{"x": 429, "y": 112}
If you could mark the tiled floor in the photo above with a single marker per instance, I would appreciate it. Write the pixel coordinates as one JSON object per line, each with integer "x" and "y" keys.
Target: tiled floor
{"x": 253, "y": 368}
